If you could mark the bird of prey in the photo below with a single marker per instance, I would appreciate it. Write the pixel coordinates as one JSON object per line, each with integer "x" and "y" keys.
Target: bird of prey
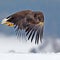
{"x": 30, "y": 21}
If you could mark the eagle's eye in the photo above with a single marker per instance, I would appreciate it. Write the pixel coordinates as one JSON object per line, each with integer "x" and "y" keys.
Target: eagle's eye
{"x": 39, "y": 18}
{"x": 35, "y": 15}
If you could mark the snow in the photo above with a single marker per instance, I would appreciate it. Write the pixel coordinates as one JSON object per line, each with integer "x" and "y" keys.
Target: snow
{"x": 12, "y": 44}
{"x": 12, "y": 48}
{"x": 30, "y": 56}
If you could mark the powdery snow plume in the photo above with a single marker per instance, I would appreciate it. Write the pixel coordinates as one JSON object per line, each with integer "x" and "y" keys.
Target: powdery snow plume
{"x": 12, "y": 44}
{"x": 49, "y": 45}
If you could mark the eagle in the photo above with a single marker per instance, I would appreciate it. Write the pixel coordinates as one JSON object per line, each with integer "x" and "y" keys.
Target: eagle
{"x": 32, "y": 22}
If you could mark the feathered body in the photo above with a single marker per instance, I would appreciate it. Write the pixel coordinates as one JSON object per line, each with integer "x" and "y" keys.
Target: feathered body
{"x": 30, "y": 21}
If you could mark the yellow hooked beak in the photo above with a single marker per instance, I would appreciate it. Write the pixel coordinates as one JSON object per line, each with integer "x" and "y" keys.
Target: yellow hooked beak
{"x": 6, "y": 22}
{"x": 41, "y": 24}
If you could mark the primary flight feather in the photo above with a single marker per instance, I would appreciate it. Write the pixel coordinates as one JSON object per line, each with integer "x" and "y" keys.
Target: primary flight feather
{"x": 30, "y": 21}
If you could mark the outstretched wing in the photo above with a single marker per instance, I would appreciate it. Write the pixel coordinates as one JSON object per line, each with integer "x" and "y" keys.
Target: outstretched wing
{"x": 32, "y": 30}
{"x": 35, "y": 30}
{"x": 35, "y": 27}
{"x": 31, "y": 22}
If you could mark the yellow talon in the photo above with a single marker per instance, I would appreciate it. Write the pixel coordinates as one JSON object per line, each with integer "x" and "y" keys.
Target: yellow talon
{"x": 9, "y": 24}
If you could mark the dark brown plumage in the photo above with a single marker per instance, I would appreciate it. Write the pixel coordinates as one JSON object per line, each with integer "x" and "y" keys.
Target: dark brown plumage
{"x": 30, "y": 21}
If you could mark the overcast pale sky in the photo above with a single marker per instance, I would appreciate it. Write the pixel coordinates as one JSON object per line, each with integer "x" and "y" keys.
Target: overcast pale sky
{"x": 50, "y": 8}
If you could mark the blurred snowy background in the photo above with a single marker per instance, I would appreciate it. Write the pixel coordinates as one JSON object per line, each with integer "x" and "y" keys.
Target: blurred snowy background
{"x": 51, "y": 40}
